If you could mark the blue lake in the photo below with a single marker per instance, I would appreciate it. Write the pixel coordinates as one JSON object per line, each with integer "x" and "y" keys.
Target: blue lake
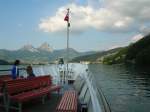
{"x": 127, "y": 89}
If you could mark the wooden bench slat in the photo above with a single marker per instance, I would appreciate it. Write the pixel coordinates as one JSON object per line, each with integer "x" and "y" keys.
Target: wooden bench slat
{"x": 62, "y": 102}
{"x": 68, "y": 102}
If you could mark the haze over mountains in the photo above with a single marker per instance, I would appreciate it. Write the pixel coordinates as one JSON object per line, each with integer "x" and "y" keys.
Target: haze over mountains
{"x": 42, "y": 54}
{"x": 136, "y": 53}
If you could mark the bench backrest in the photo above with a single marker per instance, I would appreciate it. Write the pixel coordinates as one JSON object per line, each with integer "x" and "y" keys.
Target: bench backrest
{"x": 2, "y": 79}
{"x": 22, "y": 85}
{"x": 1, "y": 85}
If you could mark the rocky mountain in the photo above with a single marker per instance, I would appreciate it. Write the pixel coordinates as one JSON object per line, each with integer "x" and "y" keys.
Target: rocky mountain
{"x": 29, "y": 47}
{"x": 45, "y": 47}
{"x": 41, "y": 54}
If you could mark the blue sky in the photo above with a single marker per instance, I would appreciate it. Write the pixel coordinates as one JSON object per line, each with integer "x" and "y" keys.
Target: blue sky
{"x": 95, "y": 25}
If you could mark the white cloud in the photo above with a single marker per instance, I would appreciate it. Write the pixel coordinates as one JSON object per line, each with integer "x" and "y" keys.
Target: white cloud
{"x": 116, "y": 15}
{"x": 137, "y": 37}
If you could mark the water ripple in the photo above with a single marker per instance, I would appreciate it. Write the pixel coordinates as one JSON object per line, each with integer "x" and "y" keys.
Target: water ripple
{"x": 127, "y": 89}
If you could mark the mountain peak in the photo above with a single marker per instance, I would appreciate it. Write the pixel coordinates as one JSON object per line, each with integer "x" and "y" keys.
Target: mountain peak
{"x": 46, "y": 47}
{"x": 29, "y": 47}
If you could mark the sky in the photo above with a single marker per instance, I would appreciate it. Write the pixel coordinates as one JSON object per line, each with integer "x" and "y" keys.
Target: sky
{"x": 95, "y": 24}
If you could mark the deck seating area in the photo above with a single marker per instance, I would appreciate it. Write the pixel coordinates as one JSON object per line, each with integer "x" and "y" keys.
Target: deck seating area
{"x": 68, "y": 102}
{"x": 36, "y": 106}
{"x": 18, "y": 93}
{"x": 23, "y": 90}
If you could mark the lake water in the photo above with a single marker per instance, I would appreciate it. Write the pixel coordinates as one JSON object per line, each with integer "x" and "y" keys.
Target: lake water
{"x": 127, "y": 89}
{"x": 8, "y": 67}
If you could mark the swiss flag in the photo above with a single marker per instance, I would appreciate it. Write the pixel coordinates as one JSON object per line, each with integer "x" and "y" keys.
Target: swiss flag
{"x": 66, "y": 17}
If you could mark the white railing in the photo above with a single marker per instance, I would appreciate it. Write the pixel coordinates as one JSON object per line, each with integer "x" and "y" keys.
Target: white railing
{"x": 99, "y": 100}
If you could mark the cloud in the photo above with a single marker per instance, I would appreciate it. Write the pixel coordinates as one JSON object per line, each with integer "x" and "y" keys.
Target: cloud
{"x": 114, "y": 16}
{"x": 137, "y": 37}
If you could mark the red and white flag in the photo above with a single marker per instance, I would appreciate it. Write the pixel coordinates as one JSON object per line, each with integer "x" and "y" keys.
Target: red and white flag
{"x": 66, "y": 17}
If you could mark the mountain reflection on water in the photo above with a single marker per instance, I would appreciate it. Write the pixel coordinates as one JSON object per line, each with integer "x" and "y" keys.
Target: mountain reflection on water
{"x": 127, "y": 89}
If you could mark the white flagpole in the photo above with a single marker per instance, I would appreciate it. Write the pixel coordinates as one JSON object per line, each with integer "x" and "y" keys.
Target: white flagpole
{"x": 68, "y": 24}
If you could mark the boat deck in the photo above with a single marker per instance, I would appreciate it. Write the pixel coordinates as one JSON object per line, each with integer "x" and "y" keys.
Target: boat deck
{"x": 37, "y": 106}
{"x": 49, "y": 106}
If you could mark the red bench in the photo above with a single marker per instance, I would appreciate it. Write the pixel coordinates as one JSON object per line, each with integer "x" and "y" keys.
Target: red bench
{"x": 23, "y": 90}
{"x": 68, "y": 102}
{"x": 2, "y": 79}
{"x": 1, "y": 86}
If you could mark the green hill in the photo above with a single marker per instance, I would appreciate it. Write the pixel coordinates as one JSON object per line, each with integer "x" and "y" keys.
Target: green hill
{"x": 116, "y": 58}
{"x": 95, "y": 57}
{"x": 139, "y": 52}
